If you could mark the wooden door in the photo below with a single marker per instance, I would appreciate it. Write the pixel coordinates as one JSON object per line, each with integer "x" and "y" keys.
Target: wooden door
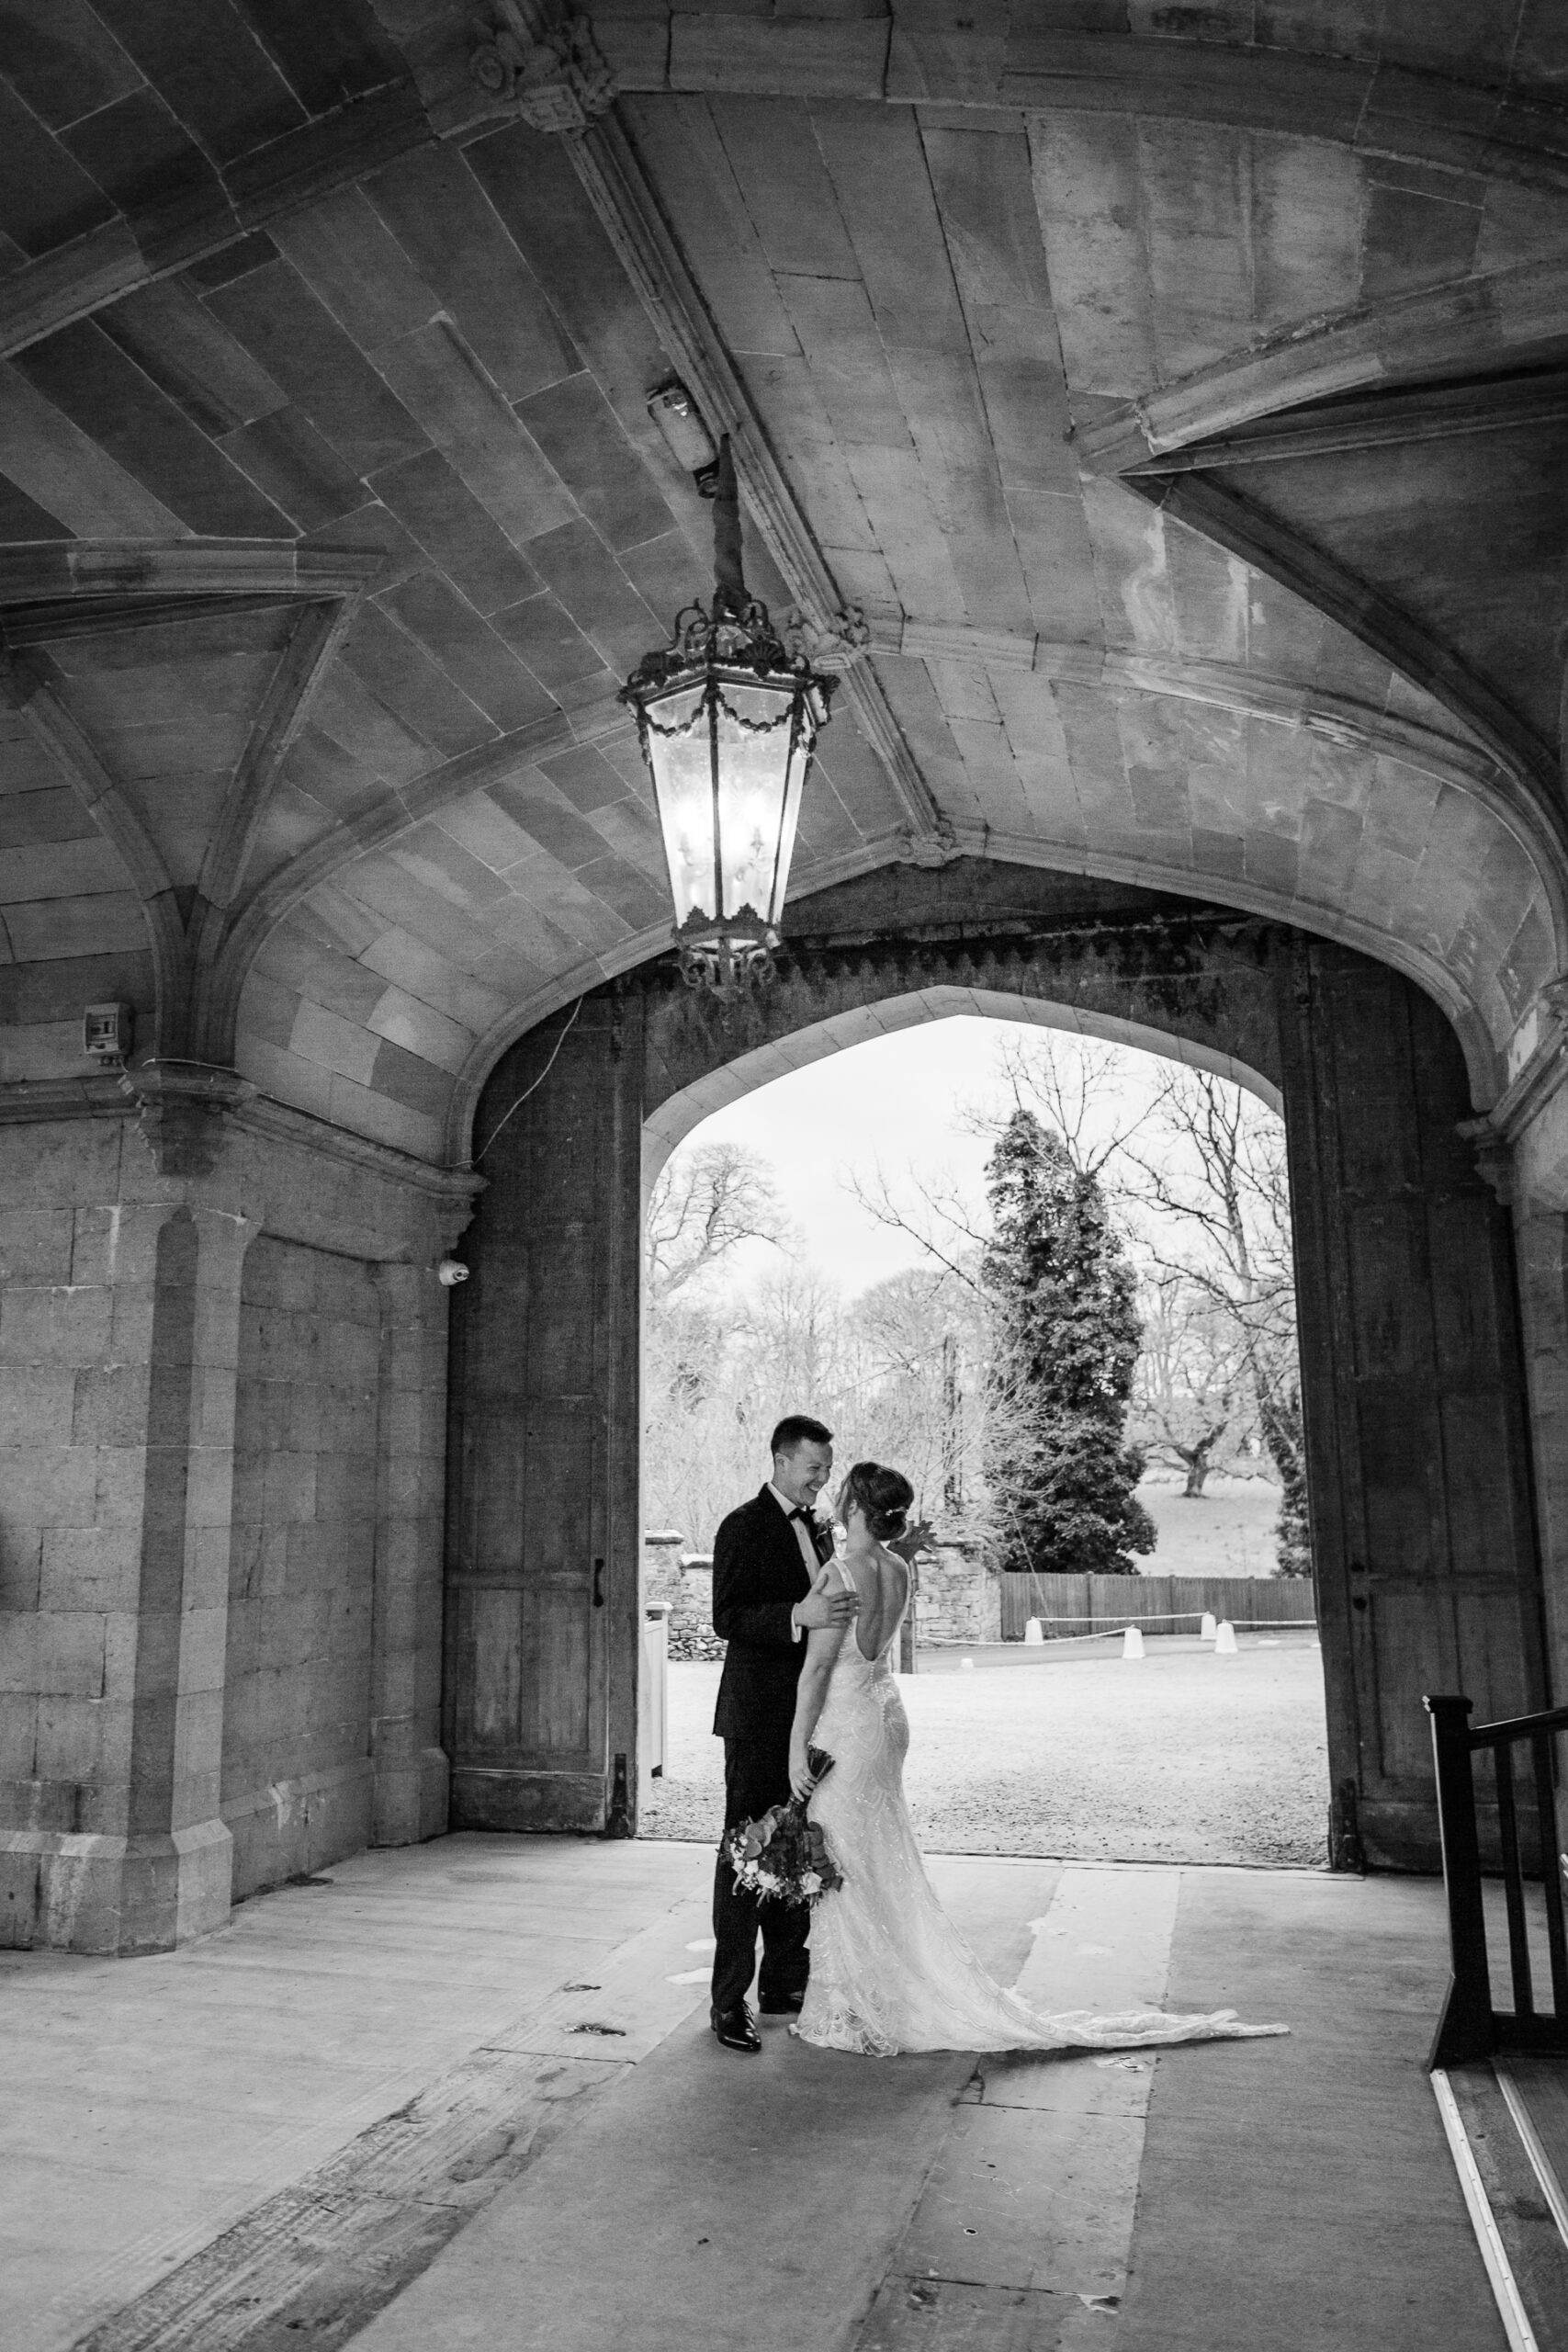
{"x": 542, "y": 1550}
{"x": 1413, "y": 1386}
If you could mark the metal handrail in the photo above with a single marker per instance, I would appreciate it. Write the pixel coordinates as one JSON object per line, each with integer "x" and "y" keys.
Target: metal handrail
{"x": 1469, "y": 2026}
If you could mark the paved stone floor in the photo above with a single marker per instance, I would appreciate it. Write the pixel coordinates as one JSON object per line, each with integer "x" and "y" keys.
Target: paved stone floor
{"x": 465, "y": 2095}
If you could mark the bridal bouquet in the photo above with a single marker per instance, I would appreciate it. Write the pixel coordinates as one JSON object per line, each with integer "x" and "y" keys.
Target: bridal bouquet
{"x": 783, "y": 1854}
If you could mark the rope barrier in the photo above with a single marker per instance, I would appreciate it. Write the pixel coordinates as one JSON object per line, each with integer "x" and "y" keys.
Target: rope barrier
{"x": 1171, "y": 1616}
{"x": 1106, "y": 1633}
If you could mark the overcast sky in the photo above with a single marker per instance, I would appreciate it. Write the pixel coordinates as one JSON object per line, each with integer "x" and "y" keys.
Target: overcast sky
{"x": 896, "y": 1102}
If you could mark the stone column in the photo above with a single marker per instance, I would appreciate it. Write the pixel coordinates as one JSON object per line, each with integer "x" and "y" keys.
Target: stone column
{"x": 120, "y": 1300}
{"x": 410, "y": 1799}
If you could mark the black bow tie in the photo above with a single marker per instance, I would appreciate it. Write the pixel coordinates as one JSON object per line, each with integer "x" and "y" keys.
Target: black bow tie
{"x": 821, "y": 1536}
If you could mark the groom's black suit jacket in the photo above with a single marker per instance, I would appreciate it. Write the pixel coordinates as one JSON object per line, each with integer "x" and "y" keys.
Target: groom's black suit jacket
{"x": 759, "y": 1573}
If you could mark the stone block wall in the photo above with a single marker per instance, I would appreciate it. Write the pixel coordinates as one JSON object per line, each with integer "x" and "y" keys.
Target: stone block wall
{"x": 69, "y": 1548}
{"x": 297, "y": 1768}
{"x": 691, "y": 1614}
{"x": 958, "y": 1590}
{"x": 223, "y": 1388}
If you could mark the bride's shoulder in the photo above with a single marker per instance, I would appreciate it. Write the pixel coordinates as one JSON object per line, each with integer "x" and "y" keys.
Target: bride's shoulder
{"x": 893, "y": 1565}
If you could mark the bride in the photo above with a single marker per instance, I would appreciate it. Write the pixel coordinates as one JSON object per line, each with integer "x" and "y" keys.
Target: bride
{"x": 889, "y": 1972}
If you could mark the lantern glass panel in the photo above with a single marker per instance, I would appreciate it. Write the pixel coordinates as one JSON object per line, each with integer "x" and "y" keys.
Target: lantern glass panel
{"x": 797, "y": 768}
{"x": 682, "y": 762}
{"x": 753, "y": 786}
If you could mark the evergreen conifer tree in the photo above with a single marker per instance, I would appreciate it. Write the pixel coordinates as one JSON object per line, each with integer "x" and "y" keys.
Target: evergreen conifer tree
{"x": 1065, "y": 1341}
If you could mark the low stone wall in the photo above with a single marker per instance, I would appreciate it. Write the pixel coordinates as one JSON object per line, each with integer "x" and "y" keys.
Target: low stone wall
{"x": 957, "y": 1592}
{"x": 683, "y": 1582}
{"x": 691, "y": 1614}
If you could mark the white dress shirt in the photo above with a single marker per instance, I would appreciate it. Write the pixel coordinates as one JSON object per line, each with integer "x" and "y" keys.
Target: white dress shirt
{"x": 803, "y": 1536}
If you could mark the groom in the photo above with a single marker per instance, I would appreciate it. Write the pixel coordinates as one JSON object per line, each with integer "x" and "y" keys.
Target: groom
{"x": 770, "y": 1588}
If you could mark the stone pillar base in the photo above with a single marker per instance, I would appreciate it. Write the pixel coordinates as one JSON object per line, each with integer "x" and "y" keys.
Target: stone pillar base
{"x": 412, "y": 1798}
{"x": 61, "y": 1892}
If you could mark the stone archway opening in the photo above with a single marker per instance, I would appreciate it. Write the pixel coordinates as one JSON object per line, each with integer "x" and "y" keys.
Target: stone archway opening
{"x": 1055, "y": 1745}
{"x": 1426, "y": 1562}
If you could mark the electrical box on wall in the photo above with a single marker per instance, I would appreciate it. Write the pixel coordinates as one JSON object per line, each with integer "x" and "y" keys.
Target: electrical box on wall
{"x": 107, "y": 1031}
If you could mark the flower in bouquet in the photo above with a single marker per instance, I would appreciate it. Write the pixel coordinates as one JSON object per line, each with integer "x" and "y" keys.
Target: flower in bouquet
{"x": 783, "y": 1854}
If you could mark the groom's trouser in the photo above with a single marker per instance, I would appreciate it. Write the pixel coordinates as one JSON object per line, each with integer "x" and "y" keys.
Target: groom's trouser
{"x": 756, "y": 1775}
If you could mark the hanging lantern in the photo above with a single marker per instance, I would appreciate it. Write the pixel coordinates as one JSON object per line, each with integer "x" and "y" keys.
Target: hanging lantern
{"x": 727, "y": 718}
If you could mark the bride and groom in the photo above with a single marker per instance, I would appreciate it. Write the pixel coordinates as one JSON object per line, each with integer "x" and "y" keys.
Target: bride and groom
{"x": 808, "y": 1666}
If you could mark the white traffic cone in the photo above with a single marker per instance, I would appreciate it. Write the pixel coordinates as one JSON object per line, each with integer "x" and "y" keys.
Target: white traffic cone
{"x": 1224, "y": 1639}
{"x": 1206, "y": 1630}
{"x": 1034, "y": 1630}
{"x": 1131, "y": 1643}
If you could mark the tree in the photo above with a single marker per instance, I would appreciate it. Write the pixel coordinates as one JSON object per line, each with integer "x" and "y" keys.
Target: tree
{"x": 924, "y": 1344}
{"x": 707, "y": 1203}
{"x": 1189, "y": 1389}
{"x": 1220, "y": 1241}
{"x": 1064, "y": 1340}
{"x": 704, "y": 1204}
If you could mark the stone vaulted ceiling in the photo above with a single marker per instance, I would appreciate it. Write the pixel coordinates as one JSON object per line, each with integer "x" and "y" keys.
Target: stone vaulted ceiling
{"x": 1176, "y": 401}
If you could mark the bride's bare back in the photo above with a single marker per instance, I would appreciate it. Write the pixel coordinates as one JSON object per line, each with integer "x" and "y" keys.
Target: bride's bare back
{"x": 882, "y": 1582}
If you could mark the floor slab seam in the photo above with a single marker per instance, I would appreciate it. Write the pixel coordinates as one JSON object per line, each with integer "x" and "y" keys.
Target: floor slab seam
{"x": 314, "y": 2148}
{"x": 284, "y": 2249}
{"x": 1072, "y": 2172}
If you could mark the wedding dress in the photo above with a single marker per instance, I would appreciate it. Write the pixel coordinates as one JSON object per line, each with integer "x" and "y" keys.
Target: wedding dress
{"x": 889, "y": 1970}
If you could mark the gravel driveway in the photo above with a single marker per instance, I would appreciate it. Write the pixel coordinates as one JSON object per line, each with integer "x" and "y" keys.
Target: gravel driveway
{"x": 1184, "y": 1756}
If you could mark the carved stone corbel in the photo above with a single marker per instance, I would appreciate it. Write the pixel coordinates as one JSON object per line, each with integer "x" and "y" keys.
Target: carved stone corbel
{"x": 831, "y": 645}
{"x": 1494, "y": 1157}
{"x": 182, "y": 1112}
{"x": 939, "y": 847}
{"x": 554, "y": 74}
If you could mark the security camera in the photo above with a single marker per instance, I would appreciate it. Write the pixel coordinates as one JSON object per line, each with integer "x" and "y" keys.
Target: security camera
{"x": 451, "y": 1272}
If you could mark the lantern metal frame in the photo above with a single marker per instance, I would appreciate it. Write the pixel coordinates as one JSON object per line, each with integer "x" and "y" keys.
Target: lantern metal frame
{"x": 732, "y": 644}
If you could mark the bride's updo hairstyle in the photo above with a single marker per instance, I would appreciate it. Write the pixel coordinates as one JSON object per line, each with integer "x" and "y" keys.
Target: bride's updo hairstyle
{"x": 884, "y": 1495}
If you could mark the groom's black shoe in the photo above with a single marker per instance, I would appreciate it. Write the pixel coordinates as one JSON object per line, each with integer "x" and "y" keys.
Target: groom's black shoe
{"x": 736, "y": 2028}
{"x": 781, "y": 2004}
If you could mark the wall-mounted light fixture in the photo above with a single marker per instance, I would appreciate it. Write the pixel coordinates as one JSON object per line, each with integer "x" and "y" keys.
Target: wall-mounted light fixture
{"x": 727, "y": 718}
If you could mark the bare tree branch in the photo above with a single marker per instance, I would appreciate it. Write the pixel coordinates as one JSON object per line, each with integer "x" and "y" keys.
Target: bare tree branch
{"x": 939, "y": 1226}
{"x": 703, "y": 1205}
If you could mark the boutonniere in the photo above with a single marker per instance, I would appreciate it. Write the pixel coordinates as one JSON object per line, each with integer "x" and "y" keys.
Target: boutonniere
{"x": 824, "y": 1539}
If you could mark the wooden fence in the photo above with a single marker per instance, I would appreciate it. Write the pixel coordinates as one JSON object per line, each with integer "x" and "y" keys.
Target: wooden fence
{"x": 1067, "y": 1605}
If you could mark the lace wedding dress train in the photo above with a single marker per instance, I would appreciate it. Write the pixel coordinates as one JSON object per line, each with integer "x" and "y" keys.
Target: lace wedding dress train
{"x": 889, "y": 1970}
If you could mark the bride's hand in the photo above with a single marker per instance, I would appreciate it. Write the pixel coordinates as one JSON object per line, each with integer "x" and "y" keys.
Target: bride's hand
{"x": 801, "y": 1780}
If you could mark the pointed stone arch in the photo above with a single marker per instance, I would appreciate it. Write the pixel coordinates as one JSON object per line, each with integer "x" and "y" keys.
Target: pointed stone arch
{"x": 1427, "y": 1559}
